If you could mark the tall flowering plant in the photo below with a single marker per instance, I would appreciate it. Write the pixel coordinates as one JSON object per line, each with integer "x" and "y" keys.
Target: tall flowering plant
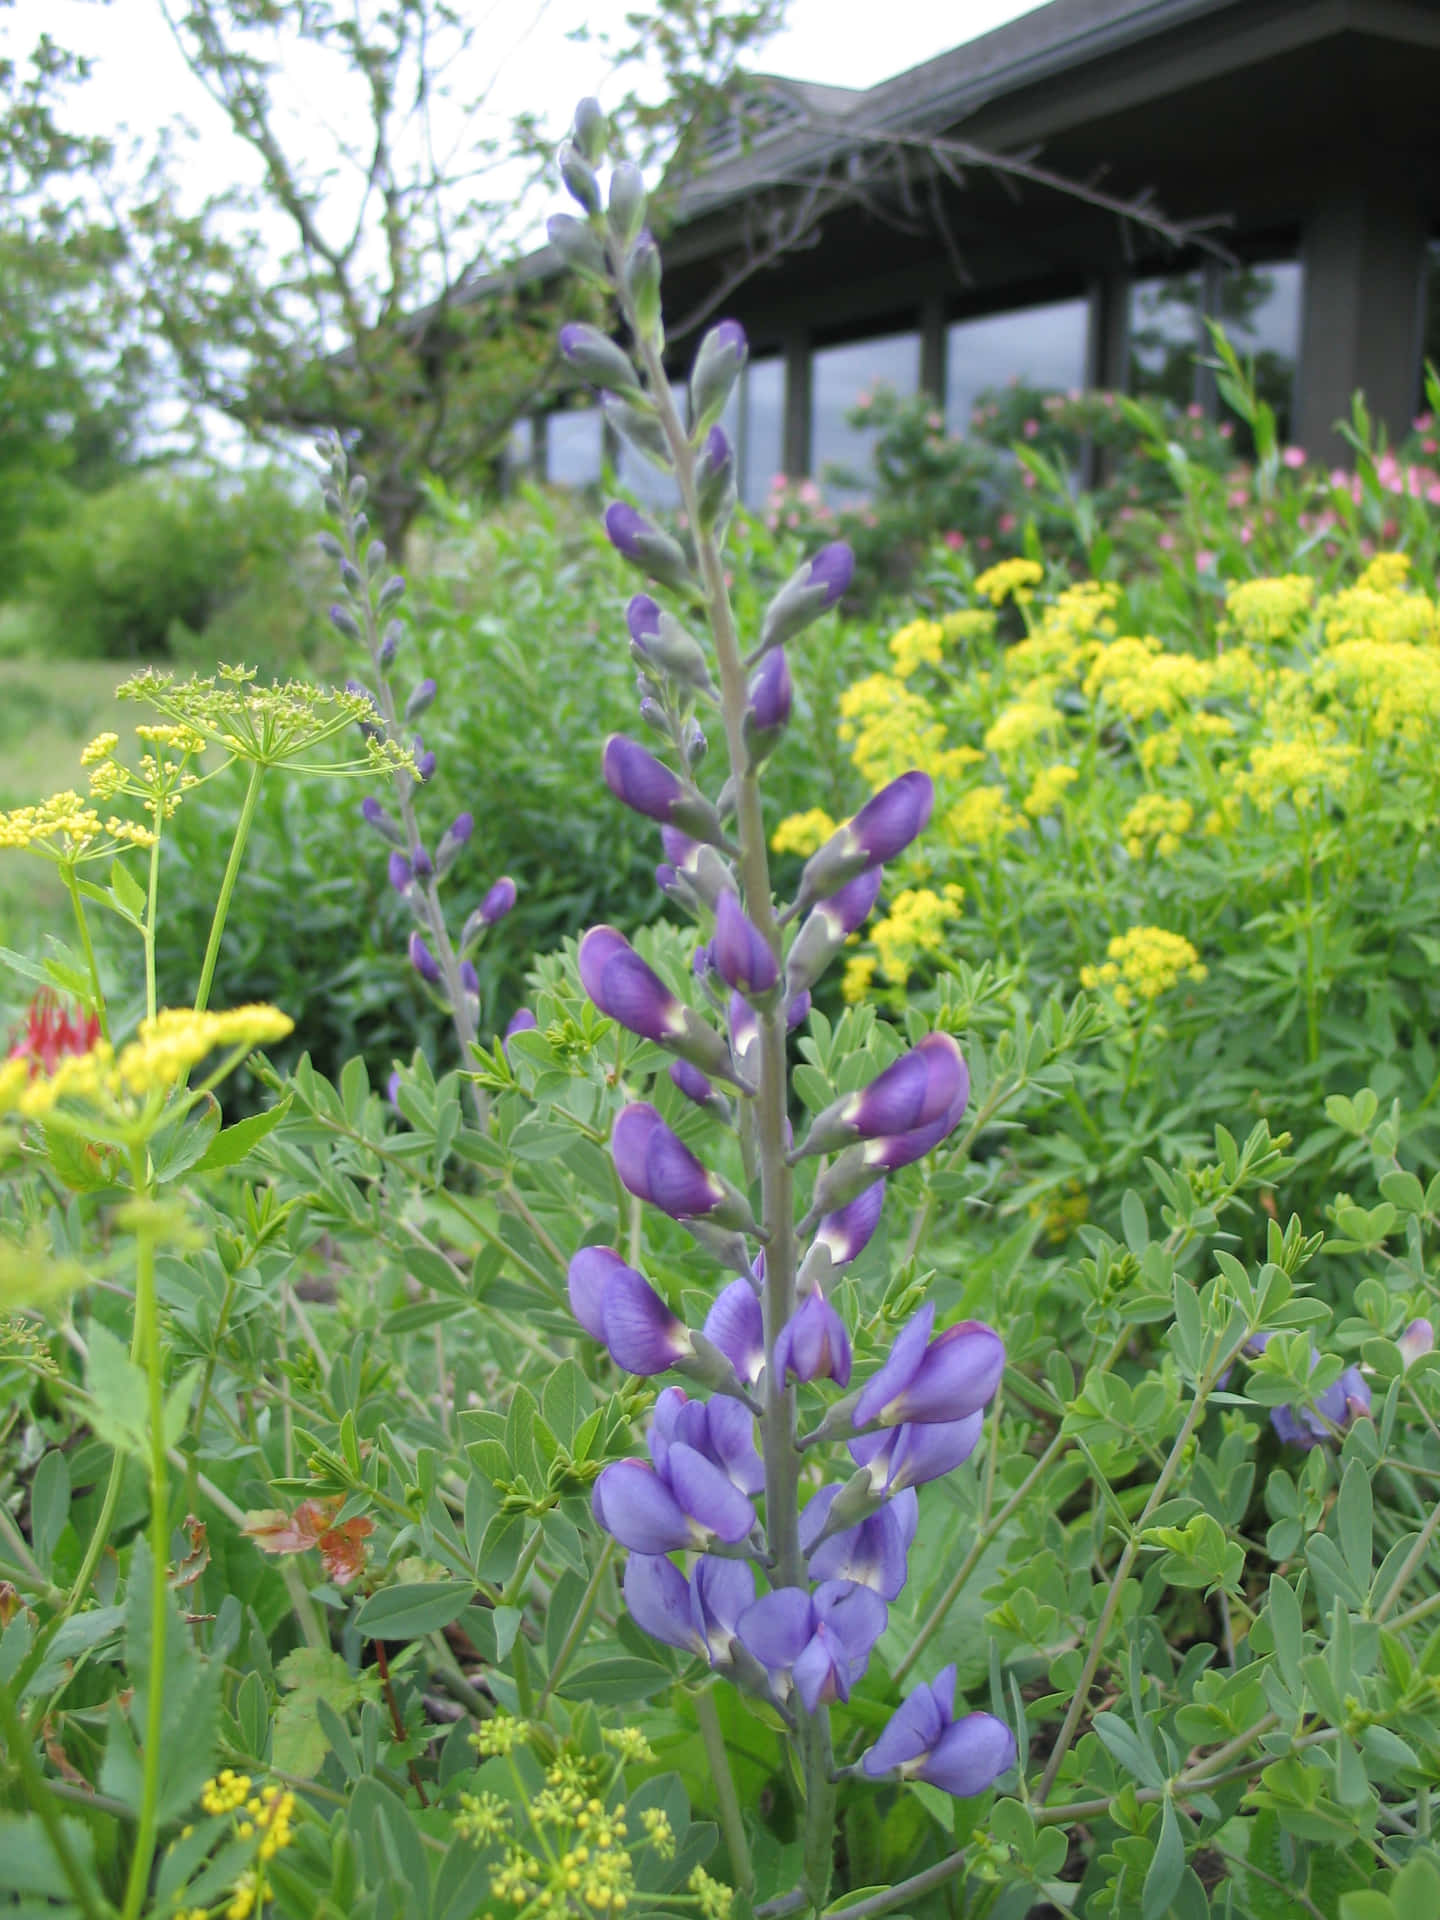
{"x": 733, "y": 1553}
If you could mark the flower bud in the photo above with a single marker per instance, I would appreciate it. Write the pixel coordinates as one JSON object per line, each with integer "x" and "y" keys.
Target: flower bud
{"x": 424, "y": 866}
{"x": 626, "y": 990}
{"x": 452, "y": 840}
{"x": 715, "y": 479}
{"x": 767, "y": 706}
{"x": 402, "y": 874}
{"x": 883, "y": 827}
{"x": 913, "y": 1092}
{"x": 841, "y": 1237}
{"x": 657, "y": 1167}
{"x": 626, "y": 211}
{"x": 639, "y": 428}
{"x": 662, "y": 642}
{"x": 654, "y": 716}
{"x": 694, "y": 745}
{"x": 577, "y": 246}
{"x": 597, "y": 359}
{"x": 590, "y": 131}
{"x": 385, "y": 824}
{"x": 642, "y": 278}
{"x": 522, "y": 1021}
{"x": 707, "y": 873}
{"x": 344, "y": 622}
{"x": 329, "y": 545}
{"x": 498, "y": 901}
{"x": 375, "y": 558}
{"x": 393, "y": 590}
{"x": 424, "y": 962}
{"x": 646, "y": 547}
{"x": 390, "y": 645}
{"x": 828, "y": 926}
{"x": 1417, "y": 1339}
{"x": 352, "y": 579}
{"x": 470, "y": 979}
{"x": 692, "y": 1083}
{"x": 579, "y": 177}
{"x": 647, "y": 786}
{"x": 421, "y": 700}
{"x": 812, "y": 590}
{"x": 424, "y": 763}
{"x": 717, "y": 367}
{"x": 740, "y": 953}
{"x": 744, "y": 1036}
{"x": 813, "y": 1343}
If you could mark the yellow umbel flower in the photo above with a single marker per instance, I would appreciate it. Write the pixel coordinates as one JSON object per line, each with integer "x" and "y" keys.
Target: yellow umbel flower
{"x": 981, "y": 818}
{"x": 919, "y": 644}
{"x": 1156, "y": 824}
{"x": 1268, "y": 610}
{"x": 714, "y": 1896}
{"x": 1143, "y": 963}
{"x": 1048, "y": 790}
{"x": 630, "y": 1745}
{"x": 803, "y": 833}
{"x": 227, "y": 1791}
{"x": 1386, "y": 573}
{"x": 164, "y": 1051}
{"x": 1015, "y": 727}
{"x": 67, "y": 830}
{"x": 914, "y": 927}
{"x": 658, "y": 1832}
{"x": 968, "y": 623}
{"x": 501, "y": 1734}
{"x": 856, "y": 980}
{"x": 1010, "y": 578}
{"x": 1294, "y": 770}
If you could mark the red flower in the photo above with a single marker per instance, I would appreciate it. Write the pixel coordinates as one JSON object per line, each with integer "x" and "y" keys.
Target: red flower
{"x": 51, "y": 1031}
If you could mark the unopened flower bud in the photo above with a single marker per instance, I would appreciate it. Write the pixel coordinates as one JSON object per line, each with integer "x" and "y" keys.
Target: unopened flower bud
{"x": 425, "y": 763}
{"x": 740, "y": 953}
{"x": 653, "y": 714}
{"x": 812, "y": 590}
{"x": 344, "y": 622}
{"x": 424, "y": 866}
{"x": 470, "y": 979}
{"x": 767, "y": 706}
{"x": 694, "y": 745}
{"x": 647, "y": 785}
{"x": 522, "y": 1021}
{"x": 646, "y": 547}
{"x": 579, "y": 178}
{"x": 402, "y": 874}
{"x": 627, "y": 990}
{"x": 642, "y": 277}
{"x": 715, "y": 479}
{"x": 393, "y": 590}
{"x": 662, "y": 642}
{"x": 883, "y": 827}
{"x": 389, "y": 828}
{"x": 828, "y": 926}
{"x": 421, "y": 700}
{"x": 351, "y": 578}
{"x": 452, "y": 840}
{"x": 657, "y": 1167}
{"x": 626, "y": 210}
{"x": 598, "y": 361}
{"x": 717, "y": 367}
{"x": 424, "y": 962}
{"x": 375, "y": 557}
{"x": 328, "y": 544}
{"x": 706, "y": 872}
{"x": 911, "y": 1093}
{"x": 577, "y": 246}
{"x": 589, "y": 131}
{"x": 498, "y": 901}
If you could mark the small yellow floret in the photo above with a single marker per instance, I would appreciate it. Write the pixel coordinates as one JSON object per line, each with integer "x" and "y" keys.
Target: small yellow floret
{"x": 803, "y": 833}
{"x": 1010, "y": 577}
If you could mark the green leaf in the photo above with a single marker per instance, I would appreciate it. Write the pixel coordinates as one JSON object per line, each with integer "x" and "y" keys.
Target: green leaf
{"x": 1354, "y": 1519}
{"x": 117, "y": 1389}
{"x": 127, "y": 892}
{"x": 617, "y": 1682}
{"x": 311, "y": 1675}
{"x": 410, "y": 1612}
{"x": 1162, "y": 1881}
{"x": 232, "y": 1144}
{"x": 1129, "y": 1749}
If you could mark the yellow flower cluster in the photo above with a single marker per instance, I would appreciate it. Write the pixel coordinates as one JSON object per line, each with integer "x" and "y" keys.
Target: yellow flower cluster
{"x": 803, "y": 833}
{"x": 1138, "y": 678}
{"x": 1143, "y": 963}
{"x": 630, "y": 1745}
{"x": 160, "y": 783}
{"x": 890, "y": 729}
{"x": 267, "y": 1817}
{"x": 1294, "y": 770}
{"x": 503, "y": 1733}
{"x": 658, "y": 1832}
{"x": 858, "y": 977}
{"x": 715, "y": 1898}
{"x": 921, "y": 643}
{"x": 1048, "y": 789}
{"x": 1264, "y": 611}
{"x": 483, "y": 1817}
{"x": 65, "y": 829}
{"x": 1010, "y": 578}
{"x": 1157, "y": 824}
{"x": 981, "y": 818}
{"x": 1017, "y": 727}
{"x": 597, "y": 1874}
{"x": 227, "y": 1791}
{"x": 914, "y": 926}
{"x": 165, "y": 1049}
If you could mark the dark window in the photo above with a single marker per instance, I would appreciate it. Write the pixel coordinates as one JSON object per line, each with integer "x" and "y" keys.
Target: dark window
{"x": 841, "y": 379}
{"x": 1041, "y": 347}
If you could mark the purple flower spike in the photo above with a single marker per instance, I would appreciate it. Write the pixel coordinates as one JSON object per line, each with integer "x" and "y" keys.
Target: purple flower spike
{"x": 643, "y": 1335}
{"x": 498, "y": 901}
{"x": 739, "y": 952}
{"x": 808, "y": 593}
{"x": 589, "y": 1271}
{"x": 401, "y": 871}
{"x": 625, "y": 989}
{"x": 814, "y": 1343}
{"x": 661, "y": 1603}
{"x": 828, "y": 926}
{"x": 931, "y": 1380}
{"x": 883, "y": 827}
{"x": 424, "y": 962}
{"x": 736, "y": 1326}
{"x": 875, "y": 1553}
{"x": 918, "y": 1089}
{"x": 924, "y": 1741}
{"x": 647, "y": 786}
{"x": 819, "y": 1644}
{"x": 909, "y": 1456}
{"x": 656, "y": 1166}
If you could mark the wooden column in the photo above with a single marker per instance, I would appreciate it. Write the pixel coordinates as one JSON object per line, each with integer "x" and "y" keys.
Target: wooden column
{"x": 796, "y": 445}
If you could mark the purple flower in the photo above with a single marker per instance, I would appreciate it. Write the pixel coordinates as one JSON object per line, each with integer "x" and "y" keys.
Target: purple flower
{"x": 692, "y": 1083}
{"x": 808, "y": 593}
{"x": 461, "y": 827}
{"x": 818, "y": 1643}
{"x": 927, "y": 1380}
{"x": 915, "y": 1091}
{"x": 909, "y": 1456}
{"x": 875, "y": 1553}
{"x": 736, "y": 1325}
{"x": 1341, "y": 1403}
{"x": 424, "y": 762}
{"x": 715, "y": 477}
{"x": 767, "y": 706}
{"x": 1417, "y": 1339}
{"x": 883, "y": 827}
{"x": 522, "y": 1021}
{"x": 642, "y": 616}
{"x": 424, "y": 865}
{"x": 847, "y": 1232}
{"x": 624, "y": 988}
{"x": 924, "y": 1741}
{"x": 374, "y": 815}
{"x": 597, "y": 359}
{"x": 452, "y": 840}
{"x": 739, "y": 952}
{"x": 720, "y": 1592}
{"x": 813, "y": 1342}
{"x": 402, "y": 874}
{"x": 744, "y": 1034}
{"x": 392, "y": 1090}
{"x": 796, "y": 1009}
{"x": 656, "y": 1166}
{"x": 828, "y": 926}
{"x": 647, "y": 786}
{"x": 720, "y": 1430}
{"x": 498, "y": 901}
{"x": 633, "y": 1503}
{"x": 661, "y": 1603}
{"x": 858, "y": 1167}
{"x": 422, "y": 697}
{"x": 424, "y": 962}
{"x": 619, "y": 1306}
{"x": 589, "y": 1270}
{"x": 645, "y": 546}
{"x": 469, "y": 978}
{"x": 706, "y": 872}
{"x": 717, "y": 367}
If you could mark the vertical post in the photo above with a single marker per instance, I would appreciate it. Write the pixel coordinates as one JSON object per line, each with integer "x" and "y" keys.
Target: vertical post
{"x": 1363, "y": 252}
{"x": 1207, "y": 394}
{"x": 796, "y": 446}
{"x": 540, "y": 448}
{"x": 1107, "y": 354}
{"x": 932, "y": 349}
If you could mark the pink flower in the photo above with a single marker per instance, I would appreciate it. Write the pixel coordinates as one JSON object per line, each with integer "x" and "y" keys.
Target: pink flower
{"x": 1430, "y": 446}
{"x": 1424, "y": 422}
{"x": 1238, "y": 497}
{"x": 955, "y": 541}
{"x": 1195, "y": 411}
{"x": 1032, "y": 427}
{"x": 1227, "y": 428}
{"x": 1007, "y": 523}
{"x": 1204, "y": 561}
{"x": 1027, "y": 480}
{"x": 984, "y": 543}
{"x": 1432, "y": 493}
{"x": 1293, "y": 456}
{"x": 1166, "y": 542}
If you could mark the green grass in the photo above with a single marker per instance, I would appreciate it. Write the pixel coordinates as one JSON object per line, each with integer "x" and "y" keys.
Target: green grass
{"x": 48, "y": 710}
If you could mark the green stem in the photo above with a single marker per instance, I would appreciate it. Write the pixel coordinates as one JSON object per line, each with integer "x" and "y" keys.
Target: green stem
{"x": 147, "y": 1324}
{"x": 728, "y": 1801}
{"x": 1312, "y": 997}
{"x": 152, "y": 901}
{"x": 227, "y": 885}
{"x": 17, "y": 1742}
{"x": 98, "y": 998}
{"x": 576, "y": 1629}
